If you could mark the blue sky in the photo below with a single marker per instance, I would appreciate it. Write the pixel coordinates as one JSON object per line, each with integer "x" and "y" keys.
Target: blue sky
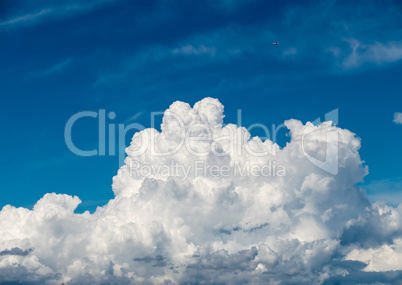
{"x": 58, "y": 58}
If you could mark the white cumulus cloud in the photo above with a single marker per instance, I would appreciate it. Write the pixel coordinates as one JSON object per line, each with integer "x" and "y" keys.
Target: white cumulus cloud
{"x": 221, "y": 207}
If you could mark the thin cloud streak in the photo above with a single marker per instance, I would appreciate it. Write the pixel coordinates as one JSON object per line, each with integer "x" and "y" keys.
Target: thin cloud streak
{"x": 58, "y": 66}
{"x": 27, "y": 17}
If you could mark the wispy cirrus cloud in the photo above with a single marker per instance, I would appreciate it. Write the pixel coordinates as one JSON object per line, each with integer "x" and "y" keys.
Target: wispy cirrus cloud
{"x": 289, "y": 51}
{"x": 55, "y": 68}
{"x": 42, "y": 12}
{"x": 327, "y": 51}
{"x": 190, "y": 49}
{"x": 58, "y": 66}
{"x": 377, "y": 53}
{"x": 26, "y": 17}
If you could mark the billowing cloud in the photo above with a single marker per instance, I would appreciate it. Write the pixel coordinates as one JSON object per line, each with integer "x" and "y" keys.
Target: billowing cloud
{"x": 386, "y": 257}
{"x": 201, "y": 201}
{"x": 16, "y": 251}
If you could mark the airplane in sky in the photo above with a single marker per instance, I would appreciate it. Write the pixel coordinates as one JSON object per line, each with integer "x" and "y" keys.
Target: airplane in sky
{"x": 275, "y": 43}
